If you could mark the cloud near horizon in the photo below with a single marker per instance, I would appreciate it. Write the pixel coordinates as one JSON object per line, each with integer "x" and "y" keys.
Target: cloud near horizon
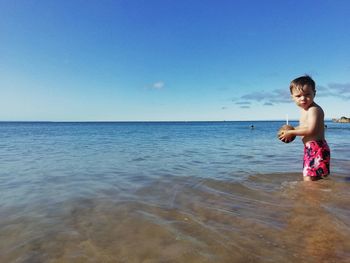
{"x": 245, "y": 107}
{"x": 243, "y": 103}
{"x": 267, "y": 98}
{"x": 335, "y": 90}
{"x": 338, "y": 90}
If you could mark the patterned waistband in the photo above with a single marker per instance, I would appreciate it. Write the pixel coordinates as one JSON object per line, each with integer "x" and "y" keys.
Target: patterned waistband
{"x": 320, "y": 143}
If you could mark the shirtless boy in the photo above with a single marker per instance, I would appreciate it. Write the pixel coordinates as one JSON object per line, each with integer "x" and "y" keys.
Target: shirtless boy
{"x": 311, "y": 129}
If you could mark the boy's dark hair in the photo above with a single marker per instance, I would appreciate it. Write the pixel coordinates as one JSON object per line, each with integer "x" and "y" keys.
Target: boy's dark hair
{"x": 302, "y": 82}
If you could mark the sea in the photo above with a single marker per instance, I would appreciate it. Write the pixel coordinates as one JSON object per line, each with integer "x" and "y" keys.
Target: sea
{"x": 169, "y": 192}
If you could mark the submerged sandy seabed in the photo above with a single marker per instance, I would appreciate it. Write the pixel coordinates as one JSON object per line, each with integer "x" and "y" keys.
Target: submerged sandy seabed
{"x": 266, "y": 218}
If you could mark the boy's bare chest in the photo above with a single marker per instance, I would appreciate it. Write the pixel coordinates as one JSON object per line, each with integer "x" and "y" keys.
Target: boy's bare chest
{"x": 303, "y": 119}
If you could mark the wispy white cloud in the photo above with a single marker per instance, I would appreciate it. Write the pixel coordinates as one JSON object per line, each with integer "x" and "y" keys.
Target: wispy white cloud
{"x": 158, "y": 85}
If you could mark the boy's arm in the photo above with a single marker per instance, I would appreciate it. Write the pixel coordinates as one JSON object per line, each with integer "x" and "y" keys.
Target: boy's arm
{"x": 314, "y": 116}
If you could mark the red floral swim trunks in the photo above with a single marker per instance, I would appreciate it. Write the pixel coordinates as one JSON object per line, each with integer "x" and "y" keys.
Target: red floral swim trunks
{"x": 316, "y": 159}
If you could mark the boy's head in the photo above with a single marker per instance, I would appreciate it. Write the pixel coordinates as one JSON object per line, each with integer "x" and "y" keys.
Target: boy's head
{"x": 303, "y": 91}
{"x": 301, "y": 83}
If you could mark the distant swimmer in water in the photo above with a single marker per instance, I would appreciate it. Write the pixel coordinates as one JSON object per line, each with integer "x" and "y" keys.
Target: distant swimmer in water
{"x": 252, "y": 127}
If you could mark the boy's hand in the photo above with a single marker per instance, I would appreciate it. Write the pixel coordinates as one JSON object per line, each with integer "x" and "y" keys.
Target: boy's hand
{"x": 285, "y": 134}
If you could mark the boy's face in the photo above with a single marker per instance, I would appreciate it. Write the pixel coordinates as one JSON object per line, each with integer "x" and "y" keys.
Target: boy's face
{"x": 303, "y": 96}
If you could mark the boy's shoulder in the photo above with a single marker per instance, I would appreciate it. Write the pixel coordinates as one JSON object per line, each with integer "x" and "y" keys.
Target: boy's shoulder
{"x": 316, "y": 109}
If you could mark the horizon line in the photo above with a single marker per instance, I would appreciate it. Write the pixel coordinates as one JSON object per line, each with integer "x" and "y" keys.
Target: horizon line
{"x": 140, "y": 121}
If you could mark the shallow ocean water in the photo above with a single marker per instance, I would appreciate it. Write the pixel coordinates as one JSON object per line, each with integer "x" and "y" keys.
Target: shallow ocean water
{"x": 168, "y": 192}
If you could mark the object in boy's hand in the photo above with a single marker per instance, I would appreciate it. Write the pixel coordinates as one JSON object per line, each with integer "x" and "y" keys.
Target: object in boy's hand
{"x": 286, "y": 127}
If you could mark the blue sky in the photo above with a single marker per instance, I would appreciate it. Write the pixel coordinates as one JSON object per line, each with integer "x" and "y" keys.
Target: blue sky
{"x": 159, "y": 60}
